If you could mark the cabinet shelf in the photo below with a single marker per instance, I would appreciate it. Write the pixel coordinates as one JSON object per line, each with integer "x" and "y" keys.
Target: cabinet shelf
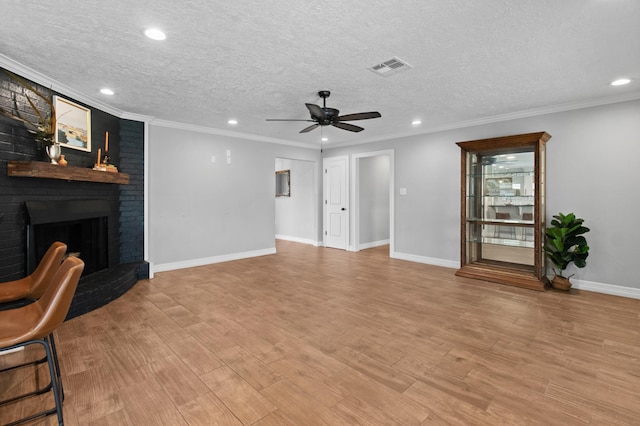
{"x": 507, "y": 242}
{"x": 501, "y": 227}
{"x": 40, "y": 169}
{"x": 504, "y": 174}
{"x": 501, "y": 222}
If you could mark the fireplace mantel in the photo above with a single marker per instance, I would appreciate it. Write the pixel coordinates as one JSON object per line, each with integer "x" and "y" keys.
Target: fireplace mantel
{"x": 40, "y": 169}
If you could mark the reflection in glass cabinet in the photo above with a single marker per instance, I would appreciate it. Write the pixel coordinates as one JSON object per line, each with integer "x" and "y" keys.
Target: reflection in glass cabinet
{"x": 502, "y": 220}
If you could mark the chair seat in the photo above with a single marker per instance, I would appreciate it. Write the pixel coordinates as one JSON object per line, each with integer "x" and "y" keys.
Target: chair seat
{"x": 34, "y": 285}
{"x": 18, "y": 324}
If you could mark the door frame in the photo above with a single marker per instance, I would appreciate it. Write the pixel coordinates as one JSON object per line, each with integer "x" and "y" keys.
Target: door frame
{"x": 316, "y": 190}
{"x": 355, "y": 200}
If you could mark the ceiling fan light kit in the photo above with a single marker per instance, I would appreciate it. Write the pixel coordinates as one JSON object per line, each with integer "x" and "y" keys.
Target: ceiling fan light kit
{"x": 324, "y": 116}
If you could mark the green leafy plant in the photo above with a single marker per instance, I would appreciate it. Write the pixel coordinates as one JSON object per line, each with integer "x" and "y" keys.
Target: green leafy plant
{"x": 566, "y": 243}
{"x": 45, "y": 127}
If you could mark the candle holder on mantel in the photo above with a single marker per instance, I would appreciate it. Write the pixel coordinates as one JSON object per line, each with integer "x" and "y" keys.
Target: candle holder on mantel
{"x": 103, "y": 163}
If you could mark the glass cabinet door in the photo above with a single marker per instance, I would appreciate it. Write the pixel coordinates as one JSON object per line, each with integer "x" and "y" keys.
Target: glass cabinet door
{"x": 500, "y": 208}
{"x": 502, "y": 217}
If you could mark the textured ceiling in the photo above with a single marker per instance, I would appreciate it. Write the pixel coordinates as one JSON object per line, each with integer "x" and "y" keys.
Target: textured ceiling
{"x": 472, "y": 61}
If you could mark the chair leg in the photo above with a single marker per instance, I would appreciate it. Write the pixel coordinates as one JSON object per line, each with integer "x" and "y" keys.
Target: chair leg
{"x": 40, "y": 391}
{"x": 54, "y": 385}
{"x": 56, "y": 364}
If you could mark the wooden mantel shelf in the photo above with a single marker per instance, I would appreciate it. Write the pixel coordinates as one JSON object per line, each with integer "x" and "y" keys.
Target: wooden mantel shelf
{"x": 41, "y": 169}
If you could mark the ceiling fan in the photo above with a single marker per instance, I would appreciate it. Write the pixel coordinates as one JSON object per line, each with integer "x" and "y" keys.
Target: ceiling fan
{"x": 323, "y": 116}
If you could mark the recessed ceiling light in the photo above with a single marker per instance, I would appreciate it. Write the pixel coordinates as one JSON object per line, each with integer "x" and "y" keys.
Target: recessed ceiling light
{"x": 620, "y": 82}
{"x": 155, "y": 34}
{"x": 106, "y": 91}
{"x": 232, "y": 122}
{"x": 416, "y": 122}
{"x": 324, "y": 139}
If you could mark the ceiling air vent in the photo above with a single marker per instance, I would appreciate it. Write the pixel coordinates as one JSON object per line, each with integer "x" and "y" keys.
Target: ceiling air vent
{"x": 390, "y": 67}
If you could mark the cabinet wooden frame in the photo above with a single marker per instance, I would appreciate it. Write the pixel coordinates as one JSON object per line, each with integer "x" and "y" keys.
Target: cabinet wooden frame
{"x": 526, "y": 276}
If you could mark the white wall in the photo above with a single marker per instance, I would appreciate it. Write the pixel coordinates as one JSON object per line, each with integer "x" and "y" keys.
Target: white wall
{"x": 296, "y": 216}
{"x": 592, "y": 170}
{"x": 202, "y": 212}
{"x": 374, "y": 200}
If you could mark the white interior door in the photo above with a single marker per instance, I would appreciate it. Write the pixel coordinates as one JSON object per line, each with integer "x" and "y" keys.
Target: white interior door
{"x": 336, "y": 201}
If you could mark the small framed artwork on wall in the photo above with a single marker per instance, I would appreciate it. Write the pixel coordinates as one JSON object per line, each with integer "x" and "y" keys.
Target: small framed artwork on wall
{"x": 73, "y": 124}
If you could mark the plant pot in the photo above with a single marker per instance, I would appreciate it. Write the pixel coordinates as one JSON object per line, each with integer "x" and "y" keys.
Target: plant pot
{"x": 561, "y": 283}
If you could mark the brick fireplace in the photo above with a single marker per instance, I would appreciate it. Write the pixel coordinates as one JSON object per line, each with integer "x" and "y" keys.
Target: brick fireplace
{"x": 122, "y": 204}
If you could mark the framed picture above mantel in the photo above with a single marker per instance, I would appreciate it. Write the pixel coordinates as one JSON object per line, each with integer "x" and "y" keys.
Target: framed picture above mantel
{"x": 73, "y": 124}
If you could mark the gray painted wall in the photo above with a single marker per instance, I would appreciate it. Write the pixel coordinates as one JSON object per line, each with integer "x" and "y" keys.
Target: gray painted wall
{"x": 296, "y": 216}
{"x": 200, "y": 210}
{"x": 591, "y": 170}
{"x": 374, "y": 199}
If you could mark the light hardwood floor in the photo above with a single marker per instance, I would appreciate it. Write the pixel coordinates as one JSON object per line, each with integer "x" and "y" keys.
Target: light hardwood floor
{"x": 315, "y": 336}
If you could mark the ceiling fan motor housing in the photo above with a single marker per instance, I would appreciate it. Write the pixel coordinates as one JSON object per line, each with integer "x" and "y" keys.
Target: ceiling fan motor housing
{"x": 330, "y": 115}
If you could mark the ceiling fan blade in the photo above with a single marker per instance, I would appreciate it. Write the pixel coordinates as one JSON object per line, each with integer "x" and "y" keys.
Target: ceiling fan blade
{"x": 308, "y": 129}
{"x": 316, "y": 111}
{"x": 359, "y": 116}
{"x": 287, "y": 119}
{"x": 347, "y": 126}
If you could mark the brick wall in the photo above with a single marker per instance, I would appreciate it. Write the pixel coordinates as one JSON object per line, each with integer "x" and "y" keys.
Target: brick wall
{"x": 132, "y": 195}
{"x": 126, "y": 219}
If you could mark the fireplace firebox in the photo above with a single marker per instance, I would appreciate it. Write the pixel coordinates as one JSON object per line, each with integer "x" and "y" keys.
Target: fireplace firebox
{"x": 81, "y": 224}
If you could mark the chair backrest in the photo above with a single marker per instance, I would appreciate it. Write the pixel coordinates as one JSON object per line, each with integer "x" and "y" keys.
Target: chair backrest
{"x": 46, "y": 269}
{"x": 56, "y": 300}
{"x": 527, "y": 216}
{"x": 503, "y": 215}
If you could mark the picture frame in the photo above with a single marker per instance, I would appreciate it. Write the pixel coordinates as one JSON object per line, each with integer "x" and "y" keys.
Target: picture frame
{"x": 73, "y": 125}
{"x": 283, "y": 183}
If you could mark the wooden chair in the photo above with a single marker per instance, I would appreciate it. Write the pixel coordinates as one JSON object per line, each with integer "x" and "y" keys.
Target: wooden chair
{"x": 34, "y": 324}
{"x": 33, "y": 286}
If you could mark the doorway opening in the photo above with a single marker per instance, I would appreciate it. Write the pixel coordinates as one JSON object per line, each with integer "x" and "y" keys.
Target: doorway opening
{"x": 373, "y": 201}
{"x": 296, "y": 214}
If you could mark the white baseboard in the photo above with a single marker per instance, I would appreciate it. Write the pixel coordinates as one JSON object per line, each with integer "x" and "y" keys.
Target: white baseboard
{"x": 428, "y": 260}
{"x": 364, "y": 246}
{"x": 614, "y": 290}
{"x": 298, "y": 240}
{"x": 210, "y": 260}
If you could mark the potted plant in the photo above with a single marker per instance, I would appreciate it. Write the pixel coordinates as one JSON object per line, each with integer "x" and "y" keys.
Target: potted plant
{"x": 565, "y": 245}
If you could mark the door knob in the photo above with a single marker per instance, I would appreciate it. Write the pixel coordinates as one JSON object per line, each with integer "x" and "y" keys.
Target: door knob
{"x": 343, "y": 209}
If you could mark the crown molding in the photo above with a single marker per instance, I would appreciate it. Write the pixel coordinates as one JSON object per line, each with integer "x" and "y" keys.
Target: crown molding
{"x": 56, "y": 86}
{"x": 136, "y": 117}
{"x": 553, "y": 109}
{"x": 228, "y": 133}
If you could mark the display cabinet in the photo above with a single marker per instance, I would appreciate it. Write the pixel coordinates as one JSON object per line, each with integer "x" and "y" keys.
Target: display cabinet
{"x": 502, "y": 219}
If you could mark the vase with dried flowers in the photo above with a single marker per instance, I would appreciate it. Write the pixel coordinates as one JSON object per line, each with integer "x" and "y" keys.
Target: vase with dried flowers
{"x": 43, "y": 129}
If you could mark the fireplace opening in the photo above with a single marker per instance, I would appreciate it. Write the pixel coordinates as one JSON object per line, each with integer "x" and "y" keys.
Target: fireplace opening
{"x": 81, "y": 225}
